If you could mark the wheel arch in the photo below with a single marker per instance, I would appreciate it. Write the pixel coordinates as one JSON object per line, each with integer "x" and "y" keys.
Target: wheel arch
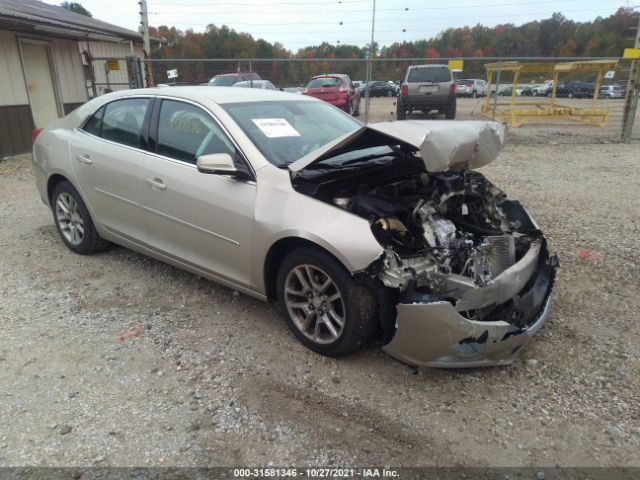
{"x": 53, "y": 181}
{"x": 276, "y": 254}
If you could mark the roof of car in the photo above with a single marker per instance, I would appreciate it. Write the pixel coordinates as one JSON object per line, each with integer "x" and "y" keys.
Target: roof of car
{"x": 220, "y": 95}
{"x": 430, "y": 65}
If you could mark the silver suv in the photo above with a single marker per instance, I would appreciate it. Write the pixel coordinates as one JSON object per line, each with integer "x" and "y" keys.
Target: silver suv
{"x": 426, "y": 88}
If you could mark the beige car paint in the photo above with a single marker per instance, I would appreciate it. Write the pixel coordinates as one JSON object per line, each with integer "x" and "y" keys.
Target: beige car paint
{"x": 230, "y": 249}
{"x": 223, "y": 228}
{"x": 443, "y": 145}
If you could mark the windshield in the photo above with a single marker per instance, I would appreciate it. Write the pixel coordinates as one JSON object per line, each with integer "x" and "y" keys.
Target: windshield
{"x": 222, "y": 81}
{"x": 286, "y": 131}
{"x": 324, "y": 82}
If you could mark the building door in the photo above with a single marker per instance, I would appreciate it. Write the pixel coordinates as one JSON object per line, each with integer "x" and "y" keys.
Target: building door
{"x": 37, "y": 73}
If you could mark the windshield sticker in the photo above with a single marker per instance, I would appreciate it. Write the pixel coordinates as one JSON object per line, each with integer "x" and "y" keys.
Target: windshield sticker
{"x": 275, "y": 127}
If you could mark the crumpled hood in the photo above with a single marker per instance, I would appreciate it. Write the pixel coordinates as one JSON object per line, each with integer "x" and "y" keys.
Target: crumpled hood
{"x": 444, "y": 145}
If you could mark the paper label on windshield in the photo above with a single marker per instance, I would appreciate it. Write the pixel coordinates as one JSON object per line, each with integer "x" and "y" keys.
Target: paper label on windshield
{"x": 275, "y": 127}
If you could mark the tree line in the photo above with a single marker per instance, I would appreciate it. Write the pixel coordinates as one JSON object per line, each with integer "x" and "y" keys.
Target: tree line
{"x": 554, "y": 36}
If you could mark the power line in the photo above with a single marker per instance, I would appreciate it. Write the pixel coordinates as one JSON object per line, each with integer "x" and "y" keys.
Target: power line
{"x": 235, "y": 4}
{"x": 405, "y": 9}
{"x": 347, "y": 23}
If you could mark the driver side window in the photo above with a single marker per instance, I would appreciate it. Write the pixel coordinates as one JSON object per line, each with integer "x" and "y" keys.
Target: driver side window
{"x": 186, "y": 132}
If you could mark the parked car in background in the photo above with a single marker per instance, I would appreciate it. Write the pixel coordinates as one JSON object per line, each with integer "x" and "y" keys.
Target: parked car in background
{"x": 378, "y": 89}
{"x": 471, "y": 88}
{"x": 426, "y": 88}
{"x": 230, "y": 79}
{"x": 526, "y": 90}
{"x": 265, "y": 84}
{"x": 359, "y": 232}
{"x": 508, "y": 91}
{"x": 575, "y": 89}
{"x": 336, "y": 89}
{"x": 296, "y": 90}
{"x": 543, "y": 90}
{"x": 611, "y": 91}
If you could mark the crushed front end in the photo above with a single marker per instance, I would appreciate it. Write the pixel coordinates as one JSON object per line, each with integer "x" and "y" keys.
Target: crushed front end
{"x": 479, "y": 286}
{"x": 465, "y": 278}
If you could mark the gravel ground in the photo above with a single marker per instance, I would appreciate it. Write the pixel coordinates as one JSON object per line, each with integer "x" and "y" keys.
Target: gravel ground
{"x": 118, "y": 359}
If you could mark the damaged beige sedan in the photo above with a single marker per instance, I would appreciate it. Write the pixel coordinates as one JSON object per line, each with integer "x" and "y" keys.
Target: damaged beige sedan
{"x": 360, "y": 233}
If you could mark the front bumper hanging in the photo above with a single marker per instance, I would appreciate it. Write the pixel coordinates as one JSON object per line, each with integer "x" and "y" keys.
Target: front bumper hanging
{"x": 436, "y": 334}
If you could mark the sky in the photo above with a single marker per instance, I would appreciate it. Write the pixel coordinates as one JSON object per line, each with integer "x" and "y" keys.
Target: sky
{"x": 299, "y": 23}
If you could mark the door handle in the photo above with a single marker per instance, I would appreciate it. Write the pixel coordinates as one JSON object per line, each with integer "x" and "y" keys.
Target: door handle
{"x": 156, "y": 184}
{"x": 84, "y": 159}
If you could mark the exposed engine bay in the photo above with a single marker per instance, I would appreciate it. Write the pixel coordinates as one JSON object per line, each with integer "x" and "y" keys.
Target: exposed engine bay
{"x": 464, "y": 278}
{"x": 443, "y": 233}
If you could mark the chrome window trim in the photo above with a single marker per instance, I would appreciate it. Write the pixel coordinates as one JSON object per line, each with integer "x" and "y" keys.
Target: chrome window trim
{"x": 161, "y": 157}
{"x": 81, "y": 129}
{"x": 124, "y": 97}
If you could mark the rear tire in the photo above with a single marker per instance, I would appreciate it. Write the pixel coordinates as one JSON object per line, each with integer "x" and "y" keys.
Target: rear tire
{"x": 450, "y": 110}
{"x": 73, "y": 222}
{"x": 349, "y": 108}
{"x": 315, "y": 294}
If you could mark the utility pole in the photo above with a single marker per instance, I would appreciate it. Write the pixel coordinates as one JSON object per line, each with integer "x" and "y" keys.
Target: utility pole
{"x": 369, "y": 65}
{"x": 146, "y": 44}
{"x": 144, "y": 27}
{"x": 633, "y": 90}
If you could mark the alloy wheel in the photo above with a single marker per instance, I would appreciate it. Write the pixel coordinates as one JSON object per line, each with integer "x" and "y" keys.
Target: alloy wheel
{"x": 314, "y": 303}
{"x": 69, "y": 218}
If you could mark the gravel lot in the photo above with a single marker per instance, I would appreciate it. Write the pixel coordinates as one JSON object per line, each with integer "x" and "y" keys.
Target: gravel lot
{"x": 117, "y": 359}
{"x": 542, "y": 131}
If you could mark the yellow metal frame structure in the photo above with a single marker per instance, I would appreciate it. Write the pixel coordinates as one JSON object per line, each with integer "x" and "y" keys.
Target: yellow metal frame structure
{"x": 520, "y": 113}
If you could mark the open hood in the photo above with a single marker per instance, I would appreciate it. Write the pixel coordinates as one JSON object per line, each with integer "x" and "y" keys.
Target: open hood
{"x": 443, "y": 145}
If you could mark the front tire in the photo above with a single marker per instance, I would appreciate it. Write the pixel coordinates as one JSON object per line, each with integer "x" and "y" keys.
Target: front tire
{"x": 401, "y": 111}
{"x": 325, "y": 309}
{"x": 73, "y": 222}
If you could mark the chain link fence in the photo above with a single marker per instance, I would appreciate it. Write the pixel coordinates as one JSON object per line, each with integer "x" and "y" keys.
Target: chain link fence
{"x": 563, "y": 118}
{"x": 110, "y": 74}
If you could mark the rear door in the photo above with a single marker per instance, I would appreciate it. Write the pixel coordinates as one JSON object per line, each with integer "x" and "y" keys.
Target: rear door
{"x": 107, "y": 154}
{"x": 202, "y": 220}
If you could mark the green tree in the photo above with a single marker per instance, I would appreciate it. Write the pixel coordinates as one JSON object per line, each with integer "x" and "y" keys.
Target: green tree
{"x": 76, "y": 8}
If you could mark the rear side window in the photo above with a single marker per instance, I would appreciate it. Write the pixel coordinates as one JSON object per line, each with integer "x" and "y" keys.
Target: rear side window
{"x": 223, "y": 81}
{"x": 325, "y": 82}
{"x": 120, "y": 121}
{"x": 185, "y": 132}
{"x": 94, "y": 125}
{"x": 429, "y": 74}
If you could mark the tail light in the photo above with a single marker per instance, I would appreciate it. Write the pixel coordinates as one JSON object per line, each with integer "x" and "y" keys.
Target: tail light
{"x": 452, "y": 89}
{"x": 35, "y": 134}
{"x": 404, "y": 90}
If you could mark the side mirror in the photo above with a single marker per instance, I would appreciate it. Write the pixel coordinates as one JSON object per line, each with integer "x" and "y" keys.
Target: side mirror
{"x": 216, "y": 163}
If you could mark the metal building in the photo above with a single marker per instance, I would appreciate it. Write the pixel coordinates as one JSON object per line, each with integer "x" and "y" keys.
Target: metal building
{"x": 43, "y": 73}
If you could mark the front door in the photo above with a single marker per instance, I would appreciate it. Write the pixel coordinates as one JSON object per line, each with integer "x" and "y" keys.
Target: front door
{"x": 203, "y": 220}
{"x": 37, "y": 73}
